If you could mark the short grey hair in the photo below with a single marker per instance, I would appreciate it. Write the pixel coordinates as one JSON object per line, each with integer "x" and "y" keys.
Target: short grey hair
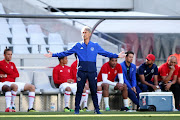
{"x": 172, "y": 57}
{"x": 86, "y": 28}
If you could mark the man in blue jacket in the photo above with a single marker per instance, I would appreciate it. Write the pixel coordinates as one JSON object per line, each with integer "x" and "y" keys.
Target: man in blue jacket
{"x": 87, "y": 52}
{"x": 129, "y": 75}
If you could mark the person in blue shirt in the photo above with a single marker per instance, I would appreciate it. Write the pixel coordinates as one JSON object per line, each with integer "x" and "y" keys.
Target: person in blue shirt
{"x": 129, "y": 75}
{"x": 87, "y": 52}
{"x": 147, "y": 75}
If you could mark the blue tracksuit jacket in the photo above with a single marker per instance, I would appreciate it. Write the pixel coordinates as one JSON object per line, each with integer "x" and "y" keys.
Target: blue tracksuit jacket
{"x": 87, "y": 55}
{"x": 132, "y": 82}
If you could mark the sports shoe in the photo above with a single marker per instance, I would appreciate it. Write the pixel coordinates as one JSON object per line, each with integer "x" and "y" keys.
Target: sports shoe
{"x": 76, "y": 111}
{"x": 13, "y": 108}
{"x": 85, "y": 109}
{"x": 107, "y": 109}
{"x": 9, "y": 110}
{"x": 32, "y": 110}
{"x": 97, "y": 112}
{"x": 125, "y": 109}
{"x": 80, "y": 110}
{"x": 66, "y": 109}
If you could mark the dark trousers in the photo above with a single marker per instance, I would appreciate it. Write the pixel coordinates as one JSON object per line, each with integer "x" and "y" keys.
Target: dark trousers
{"x": 81, "y": 80}
{"x": 175, "y": 88}
{"x": 134, "y": 97}
{"x": 145, "y": 88}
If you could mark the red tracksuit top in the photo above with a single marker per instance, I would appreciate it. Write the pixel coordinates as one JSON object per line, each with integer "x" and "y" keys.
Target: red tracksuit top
{"x": 61, "y": 74}
{"x": 9, "y": 69}
{"x": 74, "y": 70}
{"x": 112, "y": 72}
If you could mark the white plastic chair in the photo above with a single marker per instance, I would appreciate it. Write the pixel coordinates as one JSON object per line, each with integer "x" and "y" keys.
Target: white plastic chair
{"x": 5, "y": 30}
{"x": 4, "y": 40}
{"x": 24, "y": 77}
{"x": 55, "y": 39}
{"x": 20, "y": 49}
{"x": 19, "y": 30}
{"x": 37, "y": 39}
{"x": 35, "y": 29}
{"x": 56, "y": 48}
{"x": 39, "y": 49}
{"x": 41, "y": 81}
{"x": 19, "y": 40}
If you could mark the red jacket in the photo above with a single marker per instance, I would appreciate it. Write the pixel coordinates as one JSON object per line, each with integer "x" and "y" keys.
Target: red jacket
{"x": 74, "y": 70}
{"x": 9, "y": 69}
{"x": 61, "y": 74}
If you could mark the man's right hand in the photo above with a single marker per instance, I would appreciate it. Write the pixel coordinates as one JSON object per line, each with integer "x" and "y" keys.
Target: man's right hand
{"x": 49, "y": 54}
{"x": 134, "y": 89}
{"x": 119, "y": 86}
{"x": 3, "y": 76}
{"x": 154, "y": 87}
{"x": 70, "y": 80}
{"x": 172, "y": 68}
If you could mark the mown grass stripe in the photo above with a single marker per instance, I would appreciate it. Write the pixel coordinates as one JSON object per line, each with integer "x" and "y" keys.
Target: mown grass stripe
{"x": 101, "y": 115}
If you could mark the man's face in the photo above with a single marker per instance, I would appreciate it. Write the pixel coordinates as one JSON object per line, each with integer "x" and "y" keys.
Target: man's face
{"x": 172, "y": 62}
{"x": 65, "y": 60}
{"x": 149, "y": 62}
{"x": 113, "y": 62}
{"x": 8, "y": 56}
{"x": 85, "y": 34}
{"x": 129, "y": 58}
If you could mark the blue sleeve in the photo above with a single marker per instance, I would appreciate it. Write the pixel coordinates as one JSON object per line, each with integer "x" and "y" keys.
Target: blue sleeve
{"x": 102, "y": 52}
{"x": 134, "y": 82}
{"x": 156, "y": 71}
{"x": 65, "y": 53}
{"x": 126, "y": 82}
{"x": 140, "y": 71}
{"x": 124, "y": 77}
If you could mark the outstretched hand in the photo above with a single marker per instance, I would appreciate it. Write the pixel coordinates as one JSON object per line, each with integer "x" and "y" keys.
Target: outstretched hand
{"x": 49, "y": 54}
{"x": 122, "y": 54}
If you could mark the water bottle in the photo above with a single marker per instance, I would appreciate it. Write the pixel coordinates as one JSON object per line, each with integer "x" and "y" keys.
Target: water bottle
{"x": 52, "y": 107}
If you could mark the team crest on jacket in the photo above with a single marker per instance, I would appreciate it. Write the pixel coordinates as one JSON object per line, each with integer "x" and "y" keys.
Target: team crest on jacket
{"x": 61, "y": 70}
{"x": 78, "y": 79}
{"x": 68, "y": 70}
{"x": 115, "y": 71}
{"x": 11, "y": 67}
{"x": 92, "y": 49}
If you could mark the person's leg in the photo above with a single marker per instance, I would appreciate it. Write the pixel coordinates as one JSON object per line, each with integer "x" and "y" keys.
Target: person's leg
{"x": 124, "y": 90}
{"x": 81, "y": 79}
{"x": 143, "y": 87}
{"x": 14, "y": 89}
{"x": 92, "y": 78}
{"x": 105, "y": 87}
{"x": 138, "y": 90}
{"x": 83, "y": 97}
{"x": 85, "y": 108}
{"x": 67, "y": 94}
{"x": 132, "y": 96}
{"x": 31, "y": 89}
{"x": 175, "y": 88}
{"x": 99, "y": 92}
{"x": 7, "y": 90}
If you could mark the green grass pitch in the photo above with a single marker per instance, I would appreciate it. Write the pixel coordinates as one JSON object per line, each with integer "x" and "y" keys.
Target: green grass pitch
{"x": 112, "y": 115}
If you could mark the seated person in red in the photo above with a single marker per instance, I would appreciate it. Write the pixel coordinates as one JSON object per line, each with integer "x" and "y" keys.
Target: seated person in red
{"x": 9, "y": 73}
{"x": 105, "y": 80}
{"x": 85, "y": 93}
{"x": 168, "y": 76}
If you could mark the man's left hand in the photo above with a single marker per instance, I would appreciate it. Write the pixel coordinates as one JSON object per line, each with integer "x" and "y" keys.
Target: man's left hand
{"x": 168, "y": 85}
{"x": 122, "y": 54}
